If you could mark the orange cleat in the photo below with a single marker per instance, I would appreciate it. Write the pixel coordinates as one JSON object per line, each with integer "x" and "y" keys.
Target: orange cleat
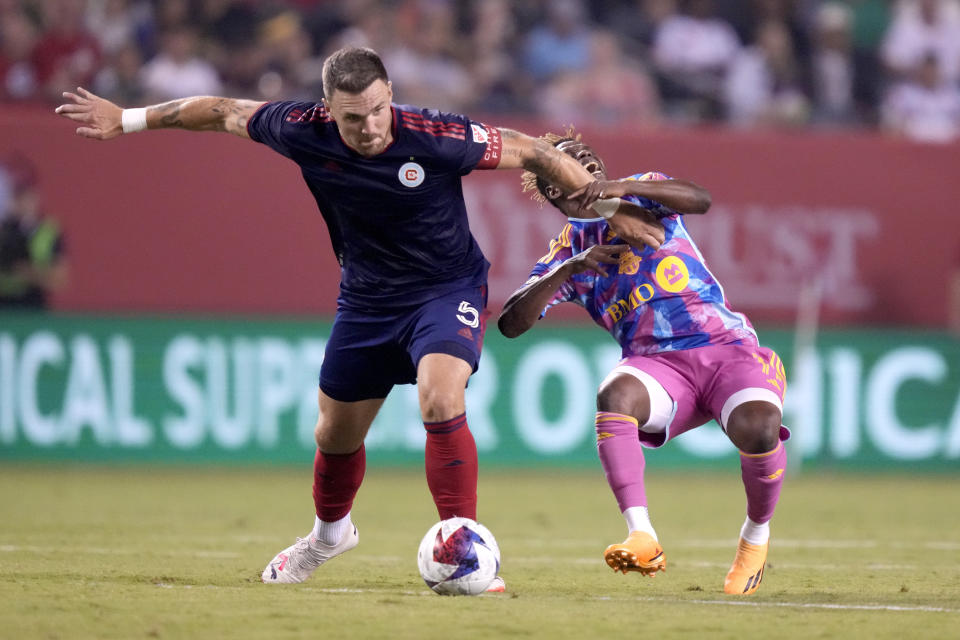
{"x": 639, "y": 552}
{"x": 747, "y": 571}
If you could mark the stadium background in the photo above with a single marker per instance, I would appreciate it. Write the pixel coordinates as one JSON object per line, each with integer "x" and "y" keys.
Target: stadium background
{"x": 202, "y": 282}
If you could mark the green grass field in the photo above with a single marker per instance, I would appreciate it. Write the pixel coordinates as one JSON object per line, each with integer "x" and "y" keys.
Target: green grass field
{"x": 177, "y": 553}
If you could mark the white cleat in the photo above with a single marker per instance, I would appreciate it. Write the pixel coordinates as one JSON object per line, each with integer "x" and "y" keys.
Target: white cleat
{"x": 297, "y": 562}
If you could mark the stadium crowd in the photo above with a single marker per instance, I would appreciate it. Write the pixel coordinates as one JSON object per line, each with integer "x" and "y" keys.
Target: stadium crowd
{"x": 750, "y": 63}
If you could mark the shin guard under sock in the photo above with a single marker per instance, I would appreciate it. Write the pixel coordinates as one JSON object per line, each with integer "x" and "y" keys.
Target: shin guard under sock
{"x": 336, "y": 480}
{"x": 762, "y": 479}
{"x": 621, "y": 455}
{"x": 450, "y": 459}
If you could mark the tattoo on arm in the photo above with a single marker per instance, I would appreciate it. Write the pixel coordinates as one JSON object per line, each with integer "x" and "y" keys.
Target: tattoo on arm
{"x": 541, "y": 158}
{"x": 222, "y": 107}
{"x": 511, "y": 146}
{"x": 553, "y": 166}
{"x": 170, "y": 114}
{"x": 207, "y": 113}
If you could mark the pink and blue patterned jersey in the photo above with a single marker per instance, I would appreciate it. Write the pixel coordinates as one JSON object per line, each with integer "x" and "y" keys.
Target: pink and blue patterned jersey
{"x": 654, "y": 300}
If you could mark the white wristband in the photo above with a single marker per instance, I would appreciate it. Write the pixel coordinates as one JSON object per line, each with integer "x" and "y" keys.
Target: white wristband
{"x": 133, "y": 120}
{"x": 606, "y": 207}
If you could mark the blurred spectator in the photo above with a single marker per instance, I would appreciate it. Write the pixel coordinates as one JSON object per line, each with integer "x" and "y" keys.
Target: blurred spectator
{"x": 921, "y": 28}
{"x": 292, "y": 71}
{"x": 119, "y": 80}
{"x": 692, "y": 52}
{"x": 832, "y": 67}
{"x": 32, "y": 255}
{"x": 117, "y": 23}
{"x": 18, "y": 75}
{"x": 926, "y": 107}
{"x": 172, "y": 13}
{"x": 177, "y": 70}
{"x": 422, "y": 64}
{"x": 560, "y": 44}
{"x": 746, "y": 16}
{"x": 6, "y": 191}
{"x": 488, "y": 55}
{"x": 765, "y": 84}
{"x": 870, "y": 21}
{"x": 67, "y": 55}
{"x": 367, "y": 23}
{"x": 637, "y": 22}
{"x": 614, "y": 91}
{"x": 498, "y": 87}
{"x": 227, "y": 22}
{"x": 227, "y": 38}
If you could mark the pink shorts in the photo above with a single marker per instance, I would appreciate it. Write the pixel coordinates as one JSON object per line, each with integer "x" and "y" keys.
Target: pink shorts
{"x": 706, "y": 383}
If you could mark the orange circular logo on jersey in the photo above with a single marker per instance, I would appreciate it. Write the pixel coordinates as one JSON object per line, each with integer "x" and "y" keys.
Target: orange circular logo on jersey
{"x": 672, "y": 274}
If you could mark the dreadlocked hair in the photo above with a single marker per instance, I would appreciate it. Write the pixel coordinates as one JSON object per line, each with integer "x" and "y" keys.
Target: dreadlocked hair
{"x": 531, "y": 181}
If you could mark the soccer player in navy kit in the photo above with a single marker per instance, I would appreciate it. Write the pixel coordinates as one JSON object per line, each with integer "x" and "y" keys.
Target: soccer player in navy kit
{"x": 412, "y": 303}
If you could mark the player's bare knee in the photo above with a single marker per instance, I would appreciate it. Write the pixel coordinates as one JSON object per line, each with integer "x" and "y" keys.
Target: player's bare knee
{"x": 621, "y": 395}
{"x": 437, "y": 405}
{"x": 322, "y": 434}
{"x": 754, "y": 427}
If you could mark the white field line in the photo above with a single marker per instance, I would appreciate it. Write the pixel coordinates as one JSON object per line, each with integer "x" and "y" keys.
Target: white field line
{"x": 935, "y": 545}
{"x": 784, "y": 543}
{"x": 522, "y": 560}
{"x": 778, "y": 543}
{"x": 780, "y": 566}
{"x": 799, "y": 605}
{"x": 812, "y": 566}
{"x": 731, "y": 602}
{"x": 736, "y": 603}
{"x": 14, "y": 548}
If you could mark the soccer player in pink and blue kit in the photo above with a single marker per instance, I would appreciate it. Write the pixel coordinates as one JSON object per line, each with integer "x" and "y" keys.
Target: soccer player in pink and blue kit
{"x": 687, "y": 356}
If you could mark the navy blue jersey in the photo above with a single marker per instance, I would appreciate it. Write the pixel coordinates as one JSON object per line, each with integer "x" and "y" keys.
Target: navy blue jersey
{"x": 397, "y": 220}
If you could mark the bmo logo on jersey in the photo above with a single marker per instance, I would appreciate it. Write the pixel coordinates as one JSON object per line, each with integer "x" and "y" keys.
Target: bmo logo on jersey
{"x": 411, "y": 174}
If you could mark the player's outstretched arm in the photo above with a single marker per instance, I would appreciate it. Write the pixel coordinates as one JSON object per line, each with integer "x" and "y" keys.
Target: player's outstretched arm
{"x": 680, "y": 195}
{"x": 522, "y": 309}
{"x": 521, "y": 151}
{"x": 101, "y": 119}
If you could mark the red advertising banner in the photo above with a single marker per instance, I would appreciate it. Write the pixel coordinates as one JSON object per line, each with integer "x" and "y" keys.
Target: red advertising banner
{"x": 176, "y": 221}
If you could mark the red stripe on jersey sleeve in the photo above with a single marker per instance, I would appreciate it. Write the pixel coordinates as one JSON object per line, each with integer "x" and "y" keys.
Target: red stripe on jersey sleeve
{"x": 434, "y": 132}
{"x": 412, "y": 118}
{"x": 419, "y": 116}
{"x": 313, "y": 114}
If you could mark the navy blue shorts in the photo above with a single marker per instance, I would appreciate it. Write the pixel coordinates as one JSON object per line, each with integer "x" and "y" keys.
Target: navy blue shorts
{"x": 369, "y": 353}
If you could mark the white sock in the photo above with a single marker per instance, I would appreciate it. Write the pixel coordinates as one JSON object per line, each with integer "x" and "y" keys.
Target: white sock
{"x": 638, "y": 519}
{"x": 330, "y": 533}
{"x": 754, "y": 532}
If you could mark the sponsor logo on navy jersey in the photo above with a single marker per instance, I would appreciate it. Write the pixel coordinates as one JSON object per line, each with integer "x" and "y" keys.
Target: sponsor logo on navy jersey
{"x": 479, "y": 134}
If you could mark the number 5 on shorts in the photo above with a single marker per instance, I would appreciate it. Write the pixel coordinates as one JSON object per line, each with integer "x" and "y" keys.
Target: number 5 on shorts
{"x": 470, "y": 316}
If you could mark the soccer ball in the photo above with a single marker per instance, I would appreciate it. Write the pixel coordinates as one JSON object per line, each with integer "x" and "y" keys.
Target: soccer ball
{"x": 458, "y": 556}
